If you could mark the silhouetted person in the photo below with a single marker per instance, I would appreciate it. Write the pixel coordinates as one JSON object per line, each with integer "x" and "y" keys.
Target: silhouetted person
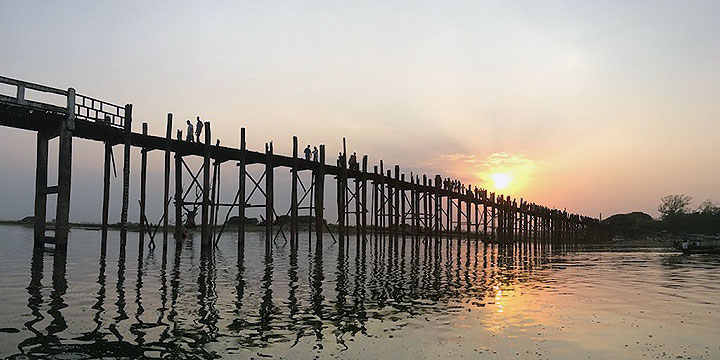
{"x": 315, "y": 154}
{"x": 198, "y": 129}
{"x": 307, "y": 153}
{"x": 353, "y": 161}
{"x": 340, "y": 159}
{"x": 190, "y": 132}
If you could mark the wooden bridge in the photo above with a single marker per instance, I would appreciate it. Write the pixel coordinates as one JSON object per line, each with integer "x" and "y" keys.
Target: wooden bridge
{"x": 397, "y": 205}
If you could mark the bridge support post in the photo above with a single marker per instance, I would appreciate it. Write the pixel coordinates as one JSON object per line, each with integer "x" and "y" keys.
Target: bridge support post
{"x": 106, "y": 195}
{"x": 269, "y": 195}
{"x": 241, "y": 193}
{"x": 294, "y": 195}
{"x": 143, "y": 187}
{"x": 178, "y": 194}
{"x": 468, "y": 205}
{"x": 364, "y": 207}
{"x": 320, "y": 197}
{"x": 205, "y": 226}
{"x": 41, "y": 175}
{"x": 62, "y": 217}
{"x": 166, "y": 184}
{"x": 126, "y": 176}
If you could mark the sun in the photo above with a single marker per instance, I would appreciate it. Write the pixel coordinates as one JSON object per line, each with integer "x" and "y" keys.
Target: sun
{"x": 502, "y": 180}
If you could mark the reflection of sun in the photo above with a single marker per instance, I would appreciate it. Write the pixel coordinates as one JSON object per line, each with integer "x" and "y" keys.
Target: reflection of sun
{"x": 502, "y": 180}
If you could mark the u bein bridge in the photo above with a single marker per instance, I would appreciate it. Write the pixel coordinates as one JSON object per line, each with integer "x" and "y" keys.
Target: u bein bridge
{"x": 371, "y": 203}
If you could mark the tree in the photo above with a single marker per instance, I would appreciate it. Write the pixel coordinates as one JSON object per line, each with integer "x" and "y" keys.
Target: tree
{"x": 673, "y": 205}
{"x": 708, "y": 207}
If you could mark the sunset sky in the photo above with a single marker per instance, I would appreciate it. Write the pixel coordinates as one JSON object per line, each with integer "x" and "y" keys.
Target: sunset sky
{"x": 597, "y": 107}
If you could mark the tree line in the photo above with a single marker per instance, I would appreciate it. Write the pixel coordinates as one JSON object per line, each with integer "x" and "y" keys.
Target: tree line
{"x": 677, "y": 216}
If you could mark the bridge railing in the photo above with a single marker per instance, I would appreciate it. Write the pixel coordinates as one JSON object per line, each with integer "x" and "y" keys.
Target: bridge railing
{"x": 86, "y": 108}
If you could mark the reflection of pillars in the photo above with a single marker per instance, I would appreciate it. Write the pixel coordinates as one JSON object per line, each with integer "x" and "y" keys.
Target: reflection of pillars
{"x": 59, "y": 287}
{"x": 35, "y": 297}
{"x": 316, "y": 296}
{"x": 62, "y": 216}
{"x": 207, "y": 296}
{"x": 239, "y": 321}
{"x": 139, "y": 333}
{"x": 293, "y": 304}
{"x": 120, "y": 302}
{"x": 41, "y": 175}
{"x": 100, "y": 302}
{"x": 267, "y": 307}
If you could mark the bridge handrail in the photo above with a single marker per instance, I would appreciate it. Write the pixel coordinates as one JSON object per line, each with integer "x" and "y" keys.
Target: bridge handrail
{"x": 86, "y": 108}
{"x": 27, "y": 85}
{"x": 91, "y": 109}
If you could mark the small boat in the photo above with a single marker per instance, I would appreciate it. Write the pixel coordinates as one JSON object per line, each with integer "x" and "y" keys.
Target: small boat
{"x": 698, "y": 247}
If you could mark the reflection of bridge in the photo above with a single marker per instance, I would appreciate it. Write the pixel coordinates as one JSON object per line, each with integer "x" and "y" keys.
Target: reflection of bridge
{"x": 183, "y": 307}
{"x": 396, "y": 206}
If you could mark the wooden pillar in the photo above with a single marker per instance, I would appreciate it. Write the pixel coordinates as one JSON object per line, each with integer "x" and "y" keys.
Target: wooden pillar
{"x": 62, "y": 216}
{"x": 341, "y": 198}
{"x": 376, "y": 207}
{"x": 390, "y": 206}
{"x": 41, "y": 177}
{"x": 205, "y": 228}
{"x": 143, "y": 186}
{"x": 126, "y": 175}
{"x": 426, "y": 205}
{"x": 106, "y": 195}
{"x": 269, "y": 193}
{"x": 357, "y": 179}
{"x": 320, "y": 197}
{"x": 397, "y": 199}
{"x": 364, "y": 207}
{"x": 178, "y": 193}
{"x": 468, "y": 204}
{"x": 166, "y": 192}
{"x": 294, "y": 195}
{"x": 401, "y": 187}
{"x": 476, "y": 202}
{"x": 241, "y": 191}
{"x": 413, "y": 207}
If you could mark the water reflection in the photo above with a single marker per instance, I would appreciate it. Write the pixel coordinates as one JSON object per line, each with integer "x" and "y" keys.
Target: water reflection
{"x": 189, "y": 306}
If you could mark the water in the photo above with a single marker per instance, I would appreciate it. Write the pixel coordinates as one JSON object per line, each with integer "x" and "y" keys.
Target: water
{"x": 465, "y": 301}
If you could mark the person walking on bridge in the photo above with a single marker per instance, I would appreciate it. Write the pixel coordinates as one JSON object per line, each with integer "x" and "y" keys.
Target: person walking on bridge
{"x": 189, "y": 136}
{"x": 198, "y": 129}
{"x": 307, "y": 153}
{"x": 315, "y": 154}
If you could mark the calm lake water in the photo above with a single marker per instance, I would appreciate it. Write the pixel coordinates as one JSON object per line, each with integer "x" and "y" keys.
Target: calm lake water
{"x": 461, "y": 300}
